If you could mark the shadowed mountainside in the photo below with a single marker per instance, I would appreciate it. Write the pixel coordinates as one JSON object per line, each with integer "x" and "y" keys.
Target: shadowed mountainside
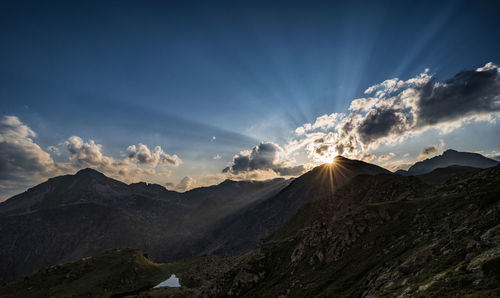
{"x": 383, "y": 235}
{"x": 376, "y": 236}
{"x": 74, "y": 216}
{"x": 242, "y": 231}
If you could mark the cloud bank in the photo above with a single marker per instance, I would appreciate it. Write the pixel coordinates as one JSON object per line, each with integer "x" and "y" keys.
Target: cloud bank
{"x": 397, "y": 109}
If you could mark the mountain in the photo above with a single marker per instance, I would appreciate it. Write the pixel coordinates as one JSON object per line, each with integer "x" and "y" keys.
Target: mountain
{"x": 378, "y": 235}
{"x": 441, "y": 175}
{"x": 243, "y": 230}
{"x": 448, "y": 158}
{"x": 381, "y": 236}
{"x": 73, "y": 216}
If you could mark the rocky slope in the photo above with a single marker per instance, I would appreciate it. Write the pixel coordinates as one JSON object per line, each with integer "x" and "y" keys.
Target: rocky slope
{"x": 74, "y": 216}
{"x": 384, "y": 235}
{"x": 243, "y": 230}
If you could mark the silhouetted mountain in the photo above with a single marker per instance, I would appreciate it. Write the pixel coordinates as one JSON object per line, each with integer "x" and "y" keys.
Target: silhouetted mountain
{"x": 242, "y": 231}
{"x": 375, "y": 236}
{"x": 449, "y": 158}
{"x": 72, "y": 216}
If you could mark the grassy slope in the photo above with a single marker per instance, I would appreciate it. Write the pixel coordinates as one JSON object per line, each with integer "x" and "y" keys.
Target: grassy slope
{"x": 114, "y": 272}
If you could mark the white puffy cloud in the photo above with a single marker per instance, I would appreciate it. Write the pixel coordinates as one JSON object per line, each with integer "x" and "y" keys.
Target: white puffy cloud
{"x": 185, "y": 184}
{"x": 87, "y": 154}
{"x": 139, "y": 163}
{"x": 143, "y": 155}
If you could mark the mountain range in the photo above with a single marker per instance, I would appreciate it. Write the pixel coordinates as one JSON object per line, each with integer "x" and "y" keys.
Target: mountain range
{"x": 74, "y": 216}
{"x": 348, "y": 228}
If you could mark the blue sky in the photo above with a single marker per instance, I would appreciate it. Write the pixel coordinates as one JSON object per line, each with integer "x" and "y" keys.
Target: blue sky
{"x": 177, "y": 73}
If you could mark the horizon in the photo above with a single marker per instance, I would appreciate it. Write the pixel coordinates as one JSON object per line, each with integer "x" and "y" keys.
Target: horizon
{"x": 332, "y": 163}
{"x": 190, "y": 94}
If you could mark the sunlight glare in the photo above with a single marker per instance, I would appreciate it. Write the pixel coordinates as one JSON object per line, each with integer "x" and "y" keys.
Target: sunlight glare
{"x": 326, "y": 157}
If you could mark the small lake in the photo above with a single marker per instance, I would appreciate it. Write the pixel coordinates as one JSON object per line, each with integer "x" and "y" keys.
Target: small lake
{"x": 172, "y": 282}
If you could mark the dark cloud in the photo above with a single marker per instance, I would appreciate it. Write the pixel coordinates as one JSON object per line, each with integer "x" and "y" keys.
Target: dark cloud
{"x": 381, "y": 123}
{"x": 427, "y": 152}
{"x": 467, "y": 93}
{"x": 265, "y": 156}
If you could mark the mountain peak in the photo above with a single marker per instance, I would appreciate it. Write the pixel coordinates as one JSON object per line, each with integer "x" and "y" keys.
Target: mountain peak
{"x": 89, "y": 172}
{"x": 450, "y": 151}
{"x": 451, "y": 157}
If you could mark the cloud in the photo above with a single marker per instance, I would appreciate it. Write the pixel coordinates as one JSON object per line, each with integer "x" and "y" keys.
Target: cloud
{"x": 386, "y": 157}
{"x": 427, "y": 152}
{"x": 430, "y": 151}
{"x": 87, "y": 154}
{"x": 140, "y": 160}
{"x": 368, "y": 157}
{"x": 217, "y": 157}
{"x": 143, "y": 155}
{"x": 265, "y": 158}
{"x": 22, "y": 161}
{"x": 399, "y": 109}
{"x": 185, "y": 184}
{"x": 54, "y": 150}
{"x": 363, "y": 104}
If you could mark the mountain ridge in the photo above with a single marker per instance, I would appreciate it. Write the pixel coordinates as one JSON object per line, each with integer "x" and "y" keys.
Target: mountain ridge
{"x": 86, "y": 213}
{"x": 448, "y": 158}
{"x": 375, "y": 236}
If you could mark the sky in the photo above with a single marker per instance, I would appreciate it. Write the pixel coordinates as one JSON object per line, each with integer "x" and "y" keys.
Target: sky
{"x": 189, "y": 93}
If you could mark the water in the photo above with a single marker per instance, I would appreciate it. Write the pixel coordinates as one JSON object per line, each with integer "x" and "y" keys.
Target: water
{"x": 172, "y": 282}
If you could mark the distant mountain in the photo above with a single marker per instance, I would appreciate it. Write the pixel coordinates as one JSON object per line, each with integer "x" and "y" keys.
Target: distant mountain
{"x": 73, "y": 216}
{"x": 449, "y": 158}
{"x": 242, "y": 231}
